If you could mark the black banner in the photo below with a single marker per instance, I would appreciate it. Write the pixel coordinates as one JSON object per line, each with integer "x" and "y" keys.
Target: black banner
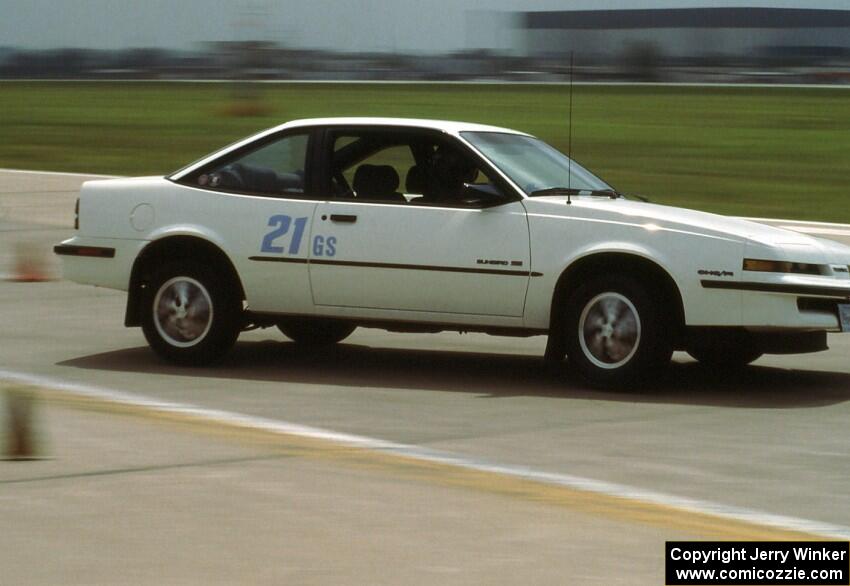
{"x": 758, "y": 562}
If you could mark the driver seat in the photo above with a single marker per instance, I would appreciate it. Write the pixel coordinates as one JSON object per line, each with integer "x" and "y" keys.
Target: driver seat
{"x": 377, "y": 182}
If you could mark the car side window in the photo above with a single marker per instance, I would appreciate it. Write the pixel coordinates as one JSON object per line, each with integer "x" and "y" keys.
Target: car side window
{"x": 406, "y": 168}
{"x": 276, "y": 169}
{"x": 369, "y": 167}
{"x": 393, "y": 161}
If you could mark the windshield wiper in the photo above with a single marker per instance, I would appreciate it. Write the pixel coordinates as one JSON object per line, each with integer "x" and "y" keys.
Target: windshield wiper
{"x": 612, "y": 193}
{"x": 575, "y": 191}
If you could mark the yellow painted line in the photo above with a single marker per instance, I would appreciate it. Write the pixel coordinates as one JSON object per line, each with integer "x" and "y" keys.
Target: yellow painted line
{"x": 615, "y": 502}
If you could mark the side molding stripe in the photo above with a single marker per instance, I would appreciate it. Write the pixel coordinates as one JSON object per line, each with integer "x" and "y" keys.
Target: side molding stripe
{"x": 837, "y": 292}
{"x": 384, "y": 265}
{"x": 301, "y": 261}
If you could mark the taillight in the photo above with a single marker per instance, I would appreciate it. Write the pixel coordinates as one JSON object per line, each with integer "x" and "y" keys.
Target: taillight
{"x": 77, "y": 215}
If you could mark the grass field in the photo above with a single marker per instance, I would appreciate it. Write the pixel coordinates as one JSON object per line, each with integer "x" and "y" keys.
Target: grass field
{"x": 774, "y": 152}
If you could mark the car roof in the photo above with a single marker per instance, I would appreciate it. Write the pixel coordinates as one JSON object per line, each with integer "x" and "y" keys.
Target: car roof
{"x": 450, "y": 126}
{"x": 447, "y": 126}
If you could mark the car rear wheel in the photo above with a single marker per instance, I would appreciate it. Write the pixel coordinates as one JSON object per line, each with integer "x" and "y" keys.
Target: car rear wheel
{"x": 189, "y": 316}
{"x": 315, "y": 331}
{"x": 617, "y": 333}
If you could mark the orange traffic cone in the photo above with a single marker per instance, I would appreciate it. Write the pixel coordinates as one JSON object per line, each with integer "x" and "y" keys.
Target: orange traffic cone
{"x": 30, "y": 266}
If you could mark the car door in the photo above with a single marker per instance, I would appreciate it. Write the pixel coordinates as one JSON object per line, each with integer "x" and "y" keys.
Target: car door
{"x": 448, "y": 258}
{"x": 257, "y": 205}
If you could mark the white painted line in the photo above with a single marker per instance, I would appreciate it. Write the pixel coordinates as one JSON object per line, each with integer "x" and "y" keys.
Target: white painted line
{"x": 798, "y": 222}
{"x": 815, "y": 230}
{"x": 474, "y": 82}
{"x": 590, "y": 485}
{"x": 59, "y": 173}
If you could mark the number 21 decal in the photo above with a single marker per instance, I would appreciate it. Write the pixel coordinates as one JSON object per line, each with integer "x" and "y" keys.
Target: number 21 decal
{"x": 281, "y": 223}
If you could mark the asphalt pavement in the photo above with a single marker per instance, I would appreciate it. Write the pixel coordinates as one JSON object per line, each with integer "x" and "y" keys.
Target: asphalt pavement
{"x": 128, "y": 501}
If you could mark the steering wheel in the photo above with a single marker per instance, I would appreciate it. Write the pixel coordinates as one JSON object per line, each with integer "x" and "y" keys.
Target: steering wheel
{"x": 228, "y": 176}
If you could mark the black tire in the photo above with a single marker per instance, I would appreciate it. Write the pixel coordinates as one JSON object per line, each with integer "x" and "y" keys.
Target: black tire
{"x": 730, "y": 353}
{"x": 315, "y": 331}
{"x": 190, "y": 315}
{"x": 617, "y": 334}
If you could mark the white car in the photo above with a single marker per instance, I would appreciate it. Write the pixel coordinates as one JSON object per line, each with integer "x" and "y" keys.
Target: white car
{"x": 320, "y": 226}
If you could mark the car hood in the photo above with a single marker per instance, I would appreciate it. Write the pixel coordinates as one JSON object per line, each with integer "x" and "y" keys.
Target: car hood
{"x": 756, "y": 235}
{"x": 668, "y": 217}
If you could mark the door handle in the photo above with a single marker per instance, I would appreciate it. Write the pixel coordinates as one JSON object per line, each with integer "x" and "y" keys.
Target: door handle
{"x": 344, "y": 218}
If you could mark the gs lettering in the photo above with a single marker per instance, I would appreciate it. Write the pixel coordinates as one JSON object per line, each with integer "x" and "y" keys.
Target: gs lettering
{"x": 324, "y": 246}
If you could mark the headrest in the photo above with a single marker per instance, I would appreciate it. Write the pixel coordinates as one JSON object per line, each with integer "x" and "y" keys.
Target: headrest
{"x": 375, "y": 180}
{"x": 416, "y": 180}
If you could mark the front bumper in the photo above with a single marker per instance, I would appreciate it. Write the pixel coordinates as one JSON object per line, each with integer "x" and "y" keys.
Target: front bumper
{"x": 788, "y": 302}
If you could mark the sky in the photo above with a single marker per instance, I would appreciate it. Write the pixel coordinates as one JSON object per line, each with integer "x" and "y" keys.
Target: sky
{"x": 411, "y": 26}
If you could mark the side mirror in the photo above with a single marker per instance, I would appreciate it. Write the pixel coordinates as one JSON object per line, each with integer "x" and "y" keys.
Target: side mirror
{"x": 480, "y": 195}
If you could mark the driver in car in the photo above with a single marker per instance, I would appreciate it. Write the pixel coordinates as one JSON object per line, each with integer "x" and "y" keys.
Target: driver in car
{"x": 449, "y": 172}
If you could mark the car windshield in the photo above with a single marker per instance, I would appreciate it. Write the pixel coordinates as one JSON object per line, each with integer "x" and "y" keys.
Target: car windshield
{"x": 532, "y": 164}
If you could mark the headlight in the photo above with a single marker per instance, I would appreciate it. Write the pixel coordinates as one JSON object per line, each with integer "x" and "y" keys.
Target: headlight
{"x": 781, "y": 266}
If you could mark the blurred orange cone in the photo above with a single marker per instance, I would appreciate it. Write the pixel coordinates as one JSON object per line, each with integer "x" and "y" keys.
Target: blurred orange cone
{"x": 30, "y": 266}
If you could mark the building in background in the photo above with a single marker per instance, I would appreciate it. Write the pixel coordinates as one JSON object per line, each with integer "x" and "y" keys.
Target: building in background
{"x": 648, "y": 43}
{"x": 690, "y": 32}
{"x": 675, "y": 40}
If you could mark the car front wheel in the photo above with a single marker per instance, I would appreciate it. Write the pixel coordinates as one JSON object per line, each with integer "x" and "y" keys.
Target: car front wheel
{"x": 189, "y": 315}
{"x": 617, "y": 335}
